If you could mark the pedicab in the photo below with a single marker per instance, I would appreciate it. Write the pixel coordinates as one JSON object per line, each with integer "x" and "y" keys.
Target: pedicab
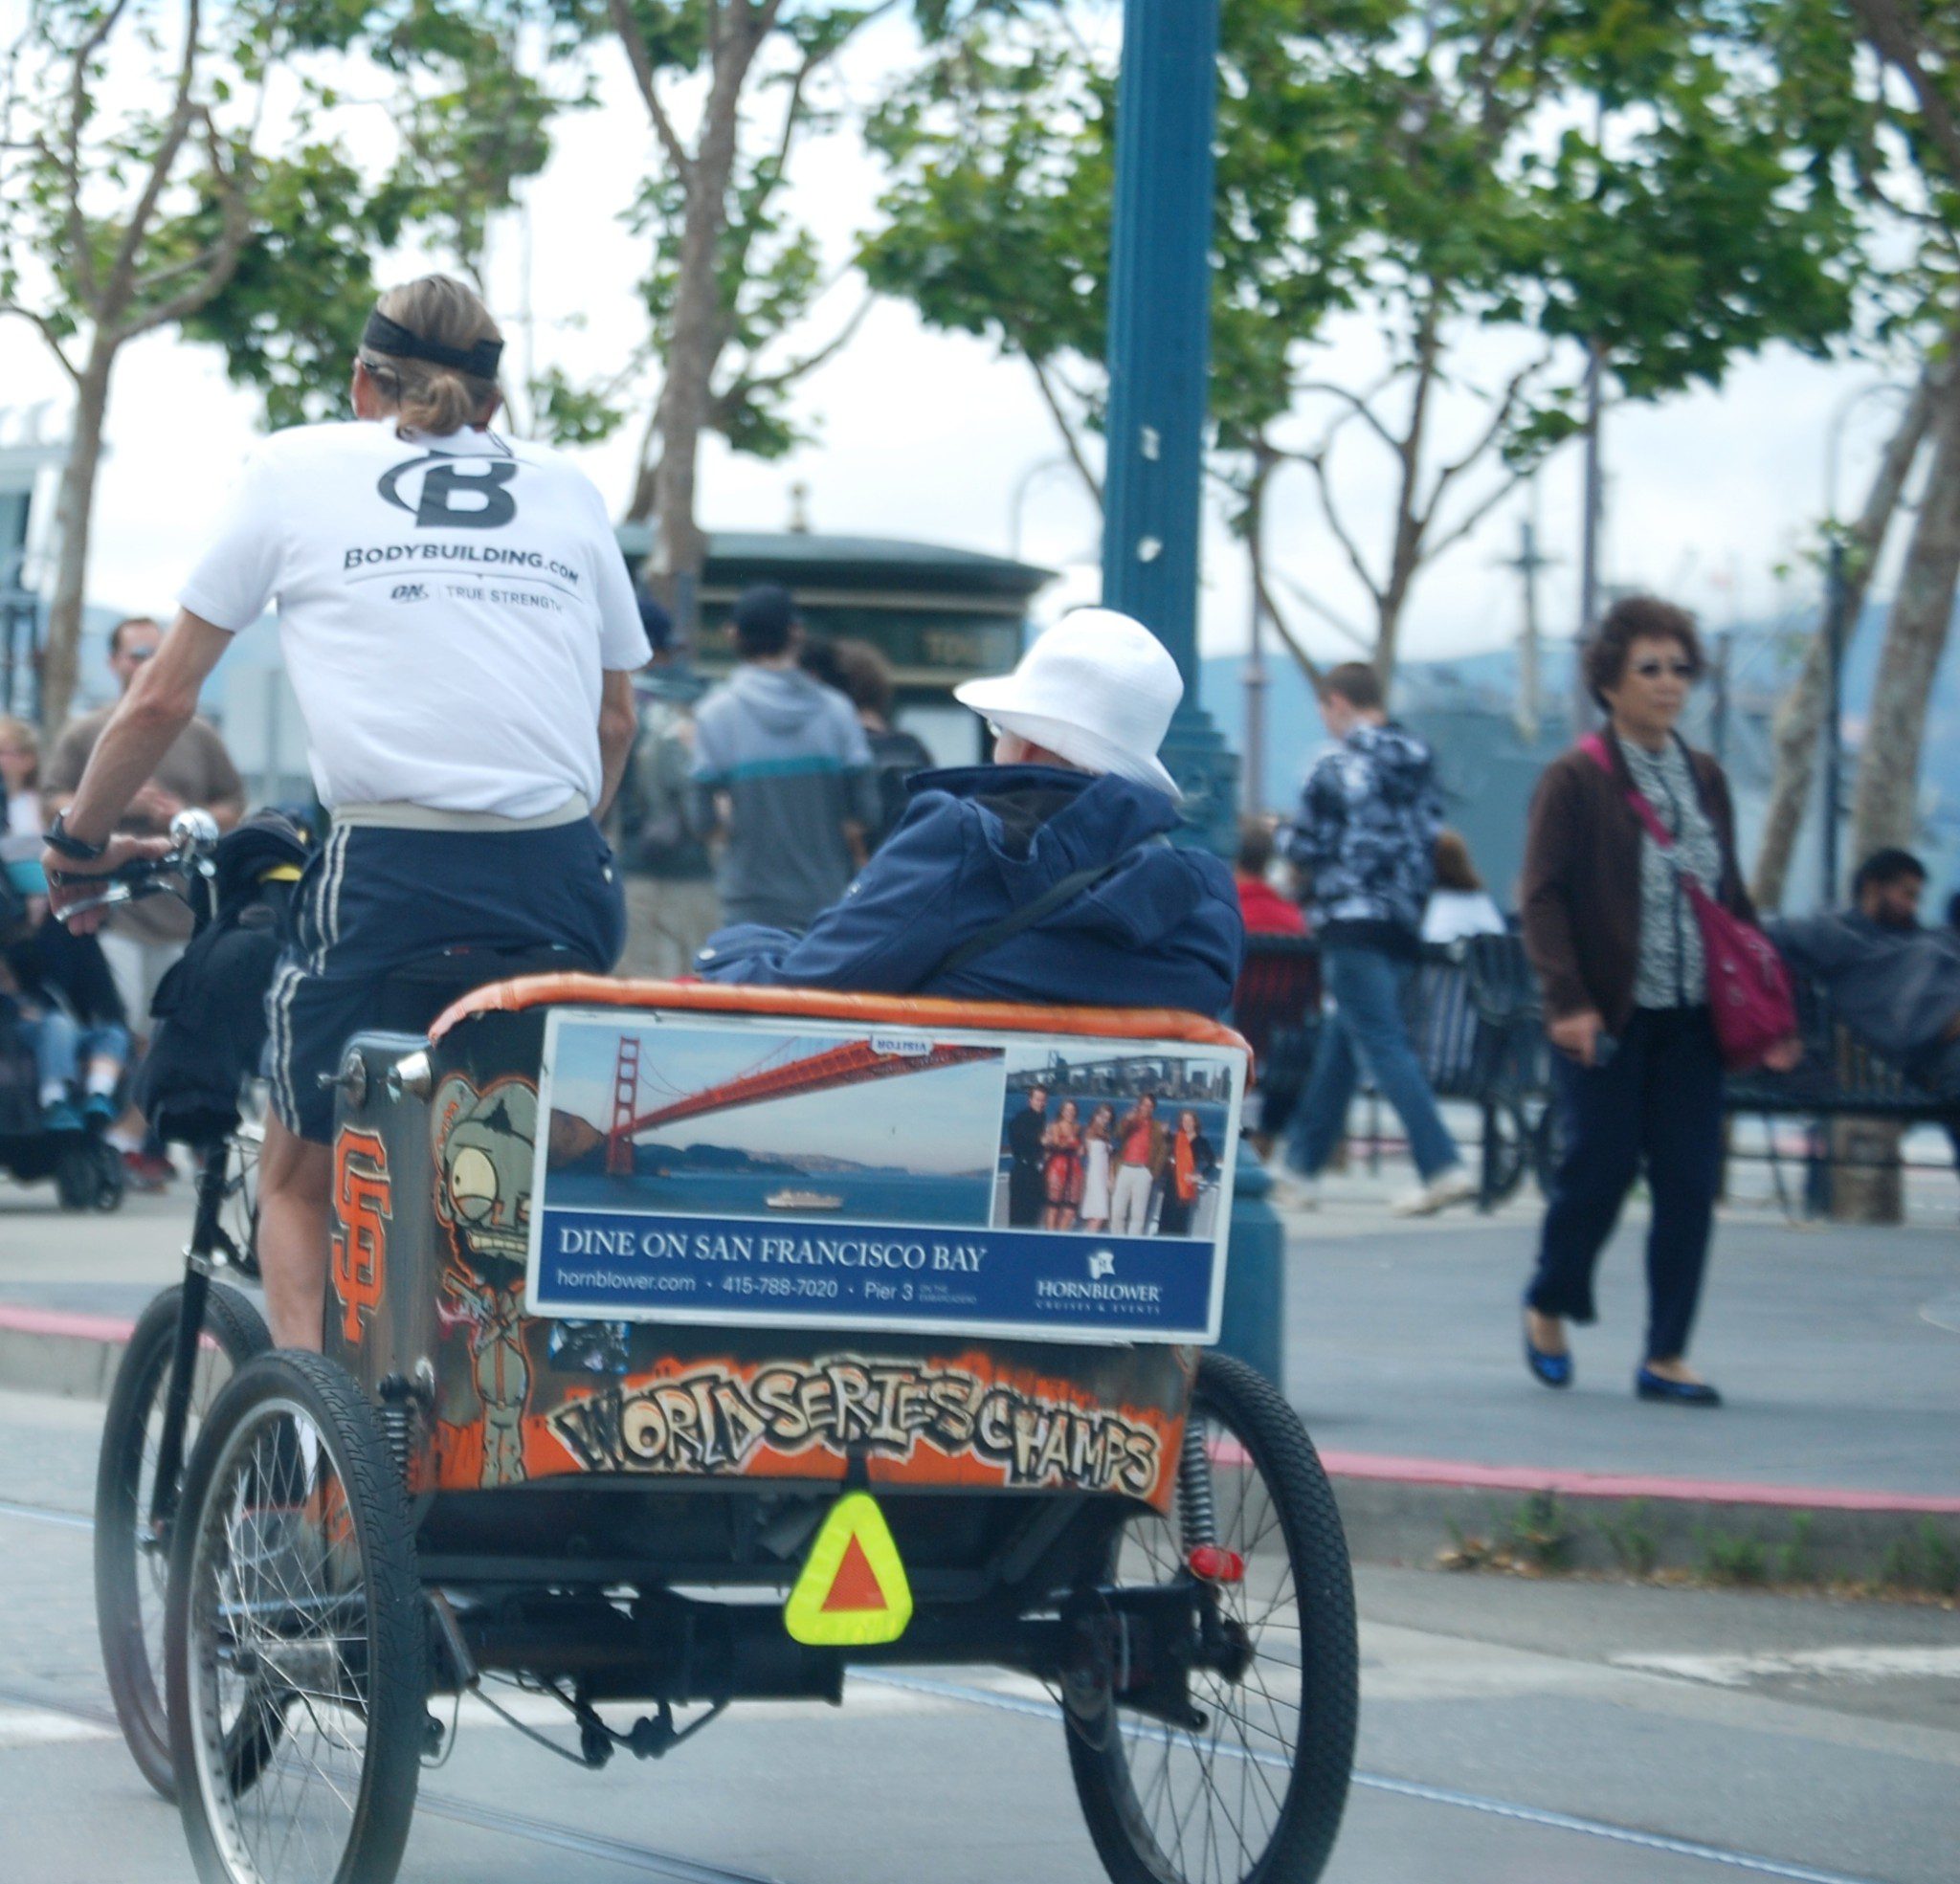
{"x": 689, "y": 1345}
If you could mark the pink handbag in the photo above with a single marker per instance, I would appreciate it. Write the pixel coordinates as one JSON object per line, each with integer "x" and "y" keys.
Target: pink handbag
{"x": 1749, "y": 1000}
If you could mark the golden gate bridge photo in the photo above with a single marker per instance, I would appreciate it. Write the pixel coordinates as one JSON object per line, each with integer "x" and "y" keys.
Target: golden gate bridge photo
{"x": 872, "y": 1128}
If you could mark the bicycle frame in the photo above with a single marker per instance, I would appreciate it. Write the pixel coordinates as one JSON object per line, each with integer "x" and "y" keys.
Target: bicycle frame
{"x": 209, "y": 1249}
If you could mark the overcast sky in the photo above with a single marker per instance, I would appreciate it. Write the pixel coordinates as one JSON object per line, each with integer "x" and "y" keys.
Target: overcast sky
{"x": 933, "y": 438}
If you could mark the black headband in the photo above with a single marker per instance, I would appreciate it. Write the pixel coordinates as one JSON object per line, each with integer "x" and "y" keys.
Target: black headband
{"x": 385, "y": 336}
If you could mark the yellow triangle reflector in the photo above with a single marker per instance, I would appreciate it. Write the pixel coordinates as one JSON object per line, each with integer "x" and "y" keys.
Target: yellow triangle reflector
{"x": 853, "y": 1591}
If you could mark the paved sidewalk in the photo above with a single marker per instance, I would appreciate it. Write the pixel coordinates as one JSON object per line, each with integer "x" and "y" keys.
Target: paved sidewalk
{"x": 1838, "y": 1351}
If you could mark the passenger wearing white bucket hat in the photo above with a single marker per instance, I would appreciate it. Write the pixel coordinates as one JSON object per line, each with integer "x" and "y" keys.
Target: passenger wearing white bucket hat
{"x": 1044, "y": 876}
{"x": 1097, "y": 692}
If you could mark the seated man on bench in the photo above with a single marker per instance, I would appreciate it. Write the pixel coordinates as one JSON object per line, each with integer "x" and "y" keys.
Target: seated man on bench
{"x": 1045, "y": 877}
{"x": 1894, "y": 983}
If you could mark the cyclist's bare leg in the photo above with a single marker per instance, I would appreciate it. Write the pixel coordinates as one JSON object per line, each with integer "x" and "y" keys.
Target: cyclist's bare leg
{"x": 293, "y": 1191}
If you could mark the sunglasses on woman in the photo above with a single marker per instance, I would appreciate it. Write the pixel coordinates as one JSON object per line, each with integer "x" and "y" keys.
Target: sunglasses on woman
{"x": 1652, "y": 670}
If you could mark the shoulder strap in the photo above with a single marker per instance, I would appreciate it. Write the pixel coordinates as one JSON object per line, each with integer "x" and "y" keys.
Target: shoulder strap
{"x": 1593, "y": 747}
{"x": 1010, "y": 925}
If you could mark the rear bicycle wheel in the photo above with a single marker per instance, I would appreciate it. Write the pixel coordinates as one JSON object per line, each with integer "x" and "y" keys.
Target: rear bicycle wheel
{"x": 1252, "y": 1791}
{"x": 132, "y": 1552}
{"x": 295, "y": 1599}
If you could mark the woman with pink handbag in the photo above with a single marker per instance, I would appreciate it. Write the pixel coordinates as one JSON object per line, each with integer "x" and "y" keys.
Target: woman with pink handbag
{"x": 1654, "y": 976}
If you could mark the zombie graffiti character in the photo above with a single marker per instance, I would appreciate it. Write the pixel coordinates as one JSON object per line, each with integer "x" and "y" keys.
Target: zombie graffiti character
{"x": 484, "y": 1157}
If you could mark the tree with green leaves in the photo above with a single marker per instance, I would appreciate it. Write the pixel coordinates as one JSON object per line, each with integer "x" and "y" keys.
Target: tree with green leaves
{"x": 94, "y": 196}
{"x": 1570, "y": 178}
{"x": 121, "y": 215}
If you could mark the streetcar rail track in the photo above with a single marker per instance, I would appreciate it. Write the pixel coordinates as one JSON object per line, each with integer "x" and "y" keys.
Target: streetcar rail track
{"x": 654, "y": 1863}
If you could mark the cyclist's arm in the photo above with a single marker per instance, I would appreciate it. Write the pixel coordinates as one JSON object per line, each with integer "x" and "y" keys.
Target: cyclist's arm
{"x": 618, "y": 722}
{"x": 145, "y": 725}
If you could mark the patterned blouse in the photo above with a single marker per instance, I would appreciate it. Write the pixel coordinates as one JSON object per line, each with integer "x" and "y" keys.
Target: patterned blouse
{"x": 1673, "y": 969}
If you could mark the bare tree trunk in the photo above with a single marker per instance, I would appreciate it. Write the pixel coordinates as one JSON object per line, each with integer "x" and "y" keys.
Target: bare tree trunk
{"x": 1885, "y": 809}
{"x": 75, "y": 502}
{"x": 695, "y": 345}
{"x": 1800, "y": 713}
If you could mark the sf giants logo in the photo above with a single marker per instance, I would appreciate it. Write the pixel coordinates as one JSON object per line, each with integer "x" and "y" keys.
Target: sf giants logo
{"x": 362, "y": 1197}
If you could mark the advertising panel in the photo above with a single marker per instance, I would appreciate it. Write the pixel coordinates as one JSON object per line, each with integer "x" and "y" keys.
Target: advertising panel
{"x": 800, "y": 1173}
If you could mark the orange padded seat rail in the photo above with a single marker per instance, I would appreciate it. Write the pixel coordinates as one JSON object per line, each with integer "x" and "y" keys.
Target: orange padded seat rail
{"x": 513, "y": 997}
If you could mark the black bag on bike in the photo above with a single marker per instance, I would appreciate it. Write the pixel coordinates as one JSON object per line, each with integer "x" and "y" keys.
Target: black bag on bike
{"x": 208, "y": 1019}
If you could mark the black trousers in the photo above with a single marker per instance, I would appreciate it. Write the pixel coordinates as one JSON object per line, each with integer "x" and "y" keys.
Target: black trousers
{"x": 1657, "y": 1102}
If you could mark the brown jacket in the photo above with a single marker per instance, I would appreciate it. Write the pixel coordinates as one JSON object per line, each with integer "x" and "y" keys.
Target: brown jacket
{"x": 1580, "y": 893}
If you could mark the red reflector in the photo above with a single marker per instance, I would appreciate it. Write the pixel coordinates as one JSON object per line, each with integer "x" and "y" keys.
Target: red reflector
{"x": 1213, "y": 1563}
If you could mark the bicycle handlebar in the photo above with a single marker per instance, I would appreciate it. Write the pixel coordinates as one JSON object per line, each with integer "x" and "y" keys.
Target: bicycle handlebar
{"x": 193, "y": 837}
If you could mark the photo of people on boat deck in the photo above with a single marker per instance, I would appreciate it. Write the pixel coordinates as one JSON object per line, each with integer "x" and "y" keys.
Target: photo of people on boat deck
{"x": 1123, "y": 1144}
{"x": 734, "y": 1121}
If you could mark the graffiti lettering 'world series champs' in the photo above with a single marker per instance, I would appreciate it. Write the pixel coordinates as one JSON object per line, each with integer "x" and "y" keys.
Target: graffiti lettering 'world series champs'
{"x": 712, "y": 1419}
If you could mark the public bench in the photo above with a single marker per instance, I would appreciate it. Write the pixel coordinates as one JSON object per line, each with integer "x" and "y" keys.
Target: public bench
{"x": 1473, "y": 1020}
{"x": 1838, "y": 1078}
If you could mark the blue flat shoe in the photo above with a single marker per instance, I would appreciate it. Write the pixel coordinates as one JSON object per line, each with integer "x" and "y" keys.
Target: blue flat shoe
{"x": 1552, "y": 1369}
{"x": 1683, "y": 1393}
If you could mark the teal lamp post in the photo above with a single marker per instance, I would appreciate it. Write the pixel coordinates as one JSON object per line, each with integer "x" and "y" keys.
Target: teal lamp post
{"x": 1159, "y": 367}
{"x": 1160, "y": 364}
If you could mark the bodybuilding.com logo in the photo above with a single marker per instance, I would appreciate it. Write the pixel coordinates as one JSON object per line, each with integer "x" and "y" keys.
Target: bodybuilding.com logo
{"x": 456, "y": 495}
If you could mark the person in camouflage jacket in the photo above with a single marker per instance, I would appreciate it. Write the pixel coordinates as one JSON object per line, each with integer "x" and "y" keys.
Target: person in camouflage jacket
{"x": 1365, "y": 842}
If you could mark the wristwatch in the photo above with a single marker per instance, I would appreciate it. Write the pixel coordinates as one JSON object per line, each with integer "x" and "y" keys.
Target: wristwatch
{"x": 59, "y": 838}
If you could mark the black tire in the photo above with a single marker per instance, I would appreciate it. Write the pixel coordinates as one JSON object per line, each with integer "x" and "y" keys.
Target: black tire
{"x": 75, "y": 1176}
{"x": 295, "y": 1596}
{"x": 1287, "y": 1781}
{"x": 111, "y": 1184}
{"x": 132, "y": 1563}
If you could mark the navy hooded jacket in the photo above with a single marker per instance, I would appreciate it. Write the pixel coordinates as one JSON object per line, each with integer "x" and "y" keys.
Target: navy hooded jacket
{"x": 1163, "y": 930}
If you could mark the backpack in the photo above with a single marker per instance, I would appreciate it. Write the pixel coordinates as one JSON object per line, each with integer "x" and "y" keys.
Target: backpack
{"x": 657, "y": 837}
{"x": 207, "y": 1018}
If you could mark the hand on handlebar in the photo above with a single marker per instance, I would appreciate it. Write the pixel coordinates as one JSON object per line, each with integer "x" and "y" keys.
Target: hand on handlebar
{"x": 70, "y": 878}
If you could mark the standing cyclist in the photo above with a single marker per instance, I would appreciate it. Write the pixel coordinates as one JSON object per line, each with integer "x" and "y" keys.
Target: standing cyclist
{"x": 460, "y": 632}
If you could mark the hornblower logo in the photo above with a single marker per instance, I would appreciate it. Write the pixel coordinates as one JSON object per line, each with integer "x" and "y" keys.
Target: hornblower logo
{"x": 457, "y": 494}
{"x": 1102, "y": 1264}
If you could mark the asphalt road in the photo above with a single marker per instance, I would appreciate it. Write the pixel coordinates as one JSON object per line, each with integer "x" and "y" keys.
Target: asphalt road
{"x": 1583, "y": 1733}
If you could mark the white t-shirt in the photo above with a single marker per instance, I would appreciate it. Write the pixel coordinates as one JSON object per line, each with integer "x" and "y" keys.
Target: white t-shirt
{"x": 447, "y": 606}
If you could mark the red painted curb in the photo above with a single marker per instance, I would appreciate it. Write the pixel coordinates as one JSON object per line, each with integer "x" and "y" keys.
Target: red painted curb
{"x": 20, "y": 1321}
{"x": 1379, "y": 1468}
{"x": 1384, "y": 1466}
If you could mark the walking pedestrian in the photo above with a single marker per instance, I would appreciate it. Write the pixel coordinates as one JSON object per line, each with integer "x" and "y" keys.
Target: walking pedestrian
{"x": 1618, "y": 953}
{"x": 782, "y": 776}
{"x": 1366, "y": 837}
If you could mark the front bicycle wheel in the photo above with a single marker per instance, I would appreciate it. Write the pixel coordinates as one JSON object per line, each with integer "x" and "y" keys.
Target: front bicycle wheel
{"x": 132, "y": 1548}
{"x": 295, "y": 1600}
{"x": 1251, "y": 1788}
